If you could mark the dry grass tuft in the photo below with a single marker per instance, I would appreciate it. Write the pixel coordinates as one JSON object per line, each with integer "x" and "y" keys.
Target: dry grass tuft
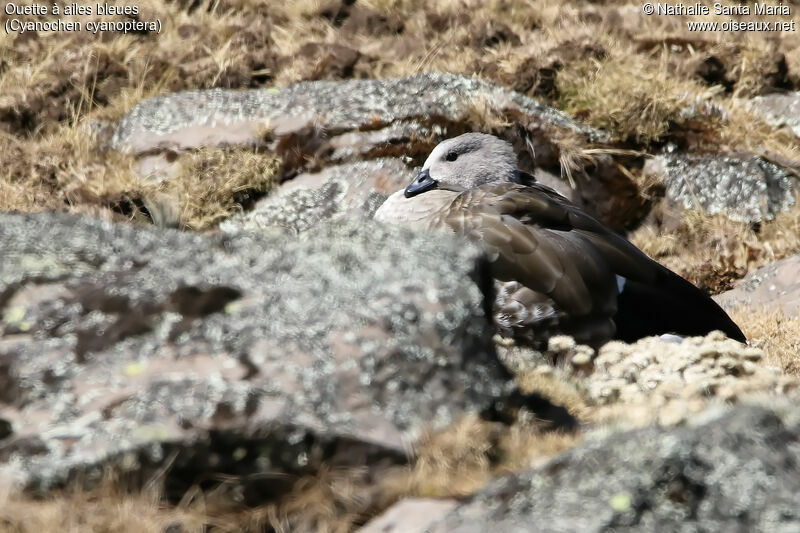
{"x": 61, "y": 77}
{"x": 106, "y": 508}
{"x": 330, "y": 501}
{"x": 485, "y": 115}
{"x": 635, "y": 98}
{"x": 744, "y": 131}
{"x": 65, "y": 171}
{"x": 213, "y": 183}
{"x": 712, "y": 251}
{"x": 773, "y": 332}
{"x": 755, "y": 67}
{"x": 463, "y": 458}
{"x": 454, "y": 462}
{"x": 59, "y": 171}
{"x": 556, "y": 386}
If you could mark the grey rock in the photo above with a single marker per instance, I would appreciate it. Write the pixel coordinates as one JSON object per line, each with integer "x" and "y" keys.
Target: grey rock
{"x": 734, "y": 472}
{"x": 743, "y": 188}
{"x": 776, "y": 285}
{"x": 779, "y": 110}
{"x": 182, "y": 120}
{"x": 349, "y": 189}
{"x": 414, "y": 515}
{"x": 121, "y": 345}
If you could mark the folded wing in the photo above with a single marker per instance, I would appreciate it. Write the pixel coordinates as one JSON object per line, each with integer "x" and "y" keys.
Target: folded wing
{"x": 595, "y": 278}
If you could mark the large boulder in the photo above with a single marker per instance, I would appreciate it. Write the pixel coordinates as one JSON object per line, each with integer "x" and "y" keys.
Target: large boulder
{"x": 188, "y": 119}
{"x": 122, "y": 345}
{"x": 736, "y": 472}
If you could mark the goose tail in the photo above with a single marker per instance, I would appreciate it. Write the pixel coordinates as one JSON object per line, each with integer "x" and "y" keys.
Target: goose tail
{"x": 670, "y": 304}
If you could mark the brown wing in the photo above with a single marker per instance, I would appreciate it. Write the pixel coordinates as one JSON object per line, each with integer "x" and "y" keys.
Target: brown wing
{"x": 536, "y": 237}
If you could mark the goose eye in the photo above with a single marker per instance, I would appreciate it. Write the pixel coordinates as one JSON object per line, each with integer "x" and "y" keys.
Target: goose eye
{"x": 451, "y": 156}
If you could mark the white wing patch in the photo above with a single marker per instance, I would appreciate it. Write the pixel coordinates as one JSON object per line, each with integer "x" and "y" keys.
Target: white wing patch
{"x": 621, "y": 284}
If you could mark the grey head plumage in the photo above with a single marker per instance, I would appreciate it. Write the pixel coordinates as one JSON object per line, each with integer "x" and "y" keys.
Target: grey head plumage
{"x": 465, "y": 162}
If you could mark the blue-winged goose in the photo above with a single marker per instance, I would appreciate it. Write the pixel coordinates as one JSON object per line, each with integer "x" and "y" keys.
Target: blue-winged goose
{"x": 559, "y": 270}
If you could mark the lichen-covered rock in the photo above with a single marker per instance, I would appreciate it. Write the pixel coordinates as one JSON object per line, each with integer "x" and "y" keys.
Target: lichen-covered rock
{"x": 776, "y": 285}
{"x": 743, "y": 188}
{"x": 186, "y": 119}
{"x": 779, "y": 110}
{"x": 738, "y": 471}
{"x": 311, "y": 125}
{"x": 121, "y": 345}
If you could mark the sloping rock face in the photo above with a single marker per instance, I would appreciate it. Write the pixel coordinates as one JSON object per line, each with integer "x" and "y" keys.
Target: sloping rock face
{"x": 738, "y": 472}
{"x": 121, "y": 346}
{"x": 776, "y": 285}
{"x": 324, "y": 127}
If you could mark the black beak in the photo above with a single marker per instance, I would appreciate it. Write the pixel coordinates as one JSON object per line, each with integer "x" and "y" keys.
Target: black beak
{"x": 424, "y": 182}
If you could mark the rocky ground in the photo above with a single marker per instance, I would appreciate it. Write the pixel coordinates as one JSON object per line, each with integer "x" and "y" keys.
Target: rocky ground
{"x": 201, "y": 328}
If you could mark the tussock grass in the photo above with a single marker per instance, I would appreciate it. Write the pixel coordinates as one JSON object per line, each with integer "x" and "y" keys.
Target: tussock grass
{"x": 60, "y": 170}
{"x": 60, "y": 77}
{"x": 712, "y": 251}
{"x": 464, "y": 457}
{"x": 623, "y": 95}
{"x": 742, "y": 130}
{"x": 331, "y": 501}
{"x": 754, "y": 67}
{"x": 454, "y": 462}
{"x": 65, "y": 171}
{"x": 212, "y": 183}
{"x": 107, "y": 508}
{"x": 773, "y": 332}
{"x": 554, "y": 386}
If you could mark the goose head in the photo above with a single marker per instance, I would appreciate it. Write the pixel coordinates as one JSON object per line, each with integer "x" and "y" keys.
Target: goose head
{"x": 465, "y": 162}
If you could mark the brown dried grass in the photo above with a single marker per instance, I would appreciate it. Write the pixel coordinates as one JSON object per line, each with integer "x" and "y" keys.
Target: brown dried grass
{"x": 773, "y": 332}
